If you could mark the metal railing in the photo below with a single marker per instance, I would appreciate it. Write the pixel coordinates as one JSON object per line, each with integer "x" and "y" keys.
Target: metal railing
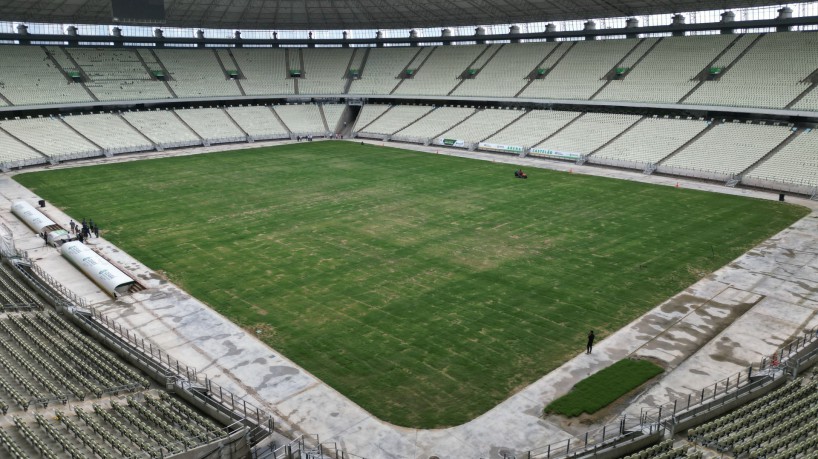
{"x": 57, "y": 286}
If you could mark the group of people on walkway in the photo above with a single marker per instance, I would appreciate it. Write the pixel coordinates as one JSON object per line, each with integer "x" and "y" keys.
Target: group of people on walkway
{"x": 84, "y": 230}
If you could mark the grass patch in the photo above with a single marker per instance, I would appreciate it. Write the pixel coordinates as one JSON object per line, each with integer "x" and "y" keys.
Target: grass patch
{"x": 603, "y": 388}
{"x": 425, "y": 288}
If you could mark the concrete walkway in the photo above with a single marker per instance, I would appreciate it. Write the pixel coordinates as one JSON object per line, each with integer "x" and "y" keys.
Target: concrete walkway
{"x": 708, "y": 332}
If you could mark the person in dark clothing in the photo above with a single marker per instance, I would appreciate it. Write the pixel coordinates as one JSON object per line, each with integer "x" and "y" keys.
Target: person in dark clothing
{"x": 590, "y": 342}
{"x": 96, "y": 231}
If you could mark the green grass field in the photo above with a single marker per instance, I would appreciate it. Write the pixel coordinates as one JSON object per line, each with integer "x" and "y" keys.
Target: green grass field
{"x": 604, "y": 387}
{"x": 425, "y": 288}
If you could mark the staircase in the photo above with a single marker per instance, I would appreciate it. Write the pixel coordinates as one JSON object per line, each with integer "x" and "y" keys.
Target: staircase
{"x": 238, "y": 126}
{"x": 649, "y": 169}
{"x": 702, "y": 76}
{"x": 463, "y": 78}
{"x": 533, "y": 73}
{"x": 280, "y": 120}
{"x": 324, "y": 118}
{"x": 122, "y": 117}
{"x": 612, "y": 72}
{"x": 641, "y": 58}
{"x": 525, "y": 112}
{"x": 4, "y": 99}
{"x": 411, "y": 122}
{"x": 426, "y": 58}
{"x": 49, "y": 158}
{"x": 457, "y": 124}
{"x": 733, "y": 181}
{"x": 802, "y": 95}
{"x": 184, "y": 123}
{"x": 376, "y": 119}
{"x": 625, "y": 131}
{"x": 564, "y": 126}
{"x": 814, "y": 196}
{"x": 360, "y": 70}
{"x": 770, "y": 153}
{"x": 696, "y": 137}
{"x": 103, "y": 150}
{"x": 168, "y": 76}
{"x": 83, "y": 75}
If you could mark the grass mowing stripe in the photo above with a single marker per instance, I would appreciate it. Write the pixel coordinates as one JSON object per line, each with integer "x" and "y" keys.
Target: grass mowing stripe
{"x": 604, "y": 387}
{"x": 426, "y": 288}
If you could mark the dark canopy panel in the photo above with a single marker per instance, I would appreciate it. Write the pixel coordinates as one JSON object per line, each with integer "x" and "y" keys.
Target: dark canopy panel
{"x": 144, "y": 11}
{"x": 356, "y": 14}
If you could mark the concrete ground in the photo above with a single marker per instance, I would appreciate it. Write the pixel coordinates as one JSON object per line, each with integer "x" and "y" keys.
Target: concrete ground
{"x": 710, "y": 331}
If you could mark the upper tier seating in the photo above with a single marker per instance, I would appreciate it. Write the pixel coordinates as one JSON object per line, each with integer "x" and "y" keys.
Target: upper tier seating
{"x": 580, "y": 72}
{"x": 768, "y": 75}
{"x": 110, "y": 132}
{"x": 770, "y": 70}
{"x": 51, "y": 137}
{"x": 303, "y": 119}
{"x": 795, "y": 163}
{"x": 439, "y": 73}
{"x": 258, "y": 122}
{"x": 324, "y": 70}
{"x": 380, "y": 72}
{"x": 726, "y": 150}
{"x": 482, "y": 125}
{"x": 668, "y": 71}
{"x": 212, "y": 124}
{"x": 118, "y": 74}
{"x": 195, "y": 73}
{"x": 264, "y": 69}
{"x": 648, "y": 142}
{"x": 505, "y": 74}
{"x": 163, "y": 128}
{"x": 29, "y": 77}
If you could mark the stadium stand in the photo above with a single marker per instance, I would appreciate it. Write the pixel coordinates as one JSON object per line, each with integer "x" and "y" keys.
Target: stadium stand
{"x": 110, "y": 132}
{"x": 439, "y": 72}
{"x": 264, "y": 70}
{"x": 532, "y": 128}
{"x": 51, "y": 137}
{"x": 324, "y": 71}
{"x": 195, "y": 73}
{"x": 163, "y": 128}
{"x": 117, "y": 74}
{"x": 394, "y": 120}
{"x": 796, "y": 163}
{"x": 587, "y": 133}
{"x": 739, "y": 146}
{"x": 382, "y": 66}
{"x": 368, "y": 114}
{"x": 580, "y": 71}
{"x": 332, "y": 114}
{"x": 433, "y": 123}
{"x": 302, "y": 119}
{"x": 482, "y": 125}
{"x": 31, "y": 78}
{"x": 258, "y": 122}
{"x": 14, "y": 152}
{"x": 507, "y": 72}
{"x": 783, "y": 423}
{"x": 766, "y": 76}
{"x": 662, "y": 135}
{"x": 211, "y": 124}
{"x": 667, "y": 72}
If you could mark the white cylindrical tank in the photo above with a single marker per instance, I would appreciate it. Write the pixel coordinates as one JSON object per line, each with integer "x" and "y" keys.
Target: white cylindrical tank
{"x": 102, "y": 272}
{"x": 31, "y": 216}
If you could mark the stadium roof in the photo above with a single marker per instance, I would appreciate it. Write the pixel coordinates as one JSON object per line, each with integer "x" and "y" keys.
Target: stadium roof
{"x": 357, "y": 14}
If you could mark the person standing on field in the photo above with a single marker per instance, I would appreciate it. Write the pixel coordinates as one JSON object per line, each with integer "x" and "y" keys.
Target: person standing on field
{"x": 590, "y": 342}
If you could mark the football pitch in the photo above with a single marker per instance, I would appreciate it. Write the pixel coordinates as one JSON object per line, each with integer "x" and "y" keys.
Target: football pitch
{"x": 425, "y": 288}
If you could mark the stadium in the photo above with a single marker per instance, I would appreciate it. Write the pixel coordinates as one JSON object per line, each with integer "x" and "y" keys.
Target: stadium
{"x": 401, "y": 229}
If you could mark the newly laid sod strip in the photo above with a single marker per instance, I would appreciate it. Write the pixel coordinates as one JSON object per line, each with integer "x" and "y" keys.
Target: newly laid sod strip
{"x": 603, "y": 388}
{"x": 425, "y": 288}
